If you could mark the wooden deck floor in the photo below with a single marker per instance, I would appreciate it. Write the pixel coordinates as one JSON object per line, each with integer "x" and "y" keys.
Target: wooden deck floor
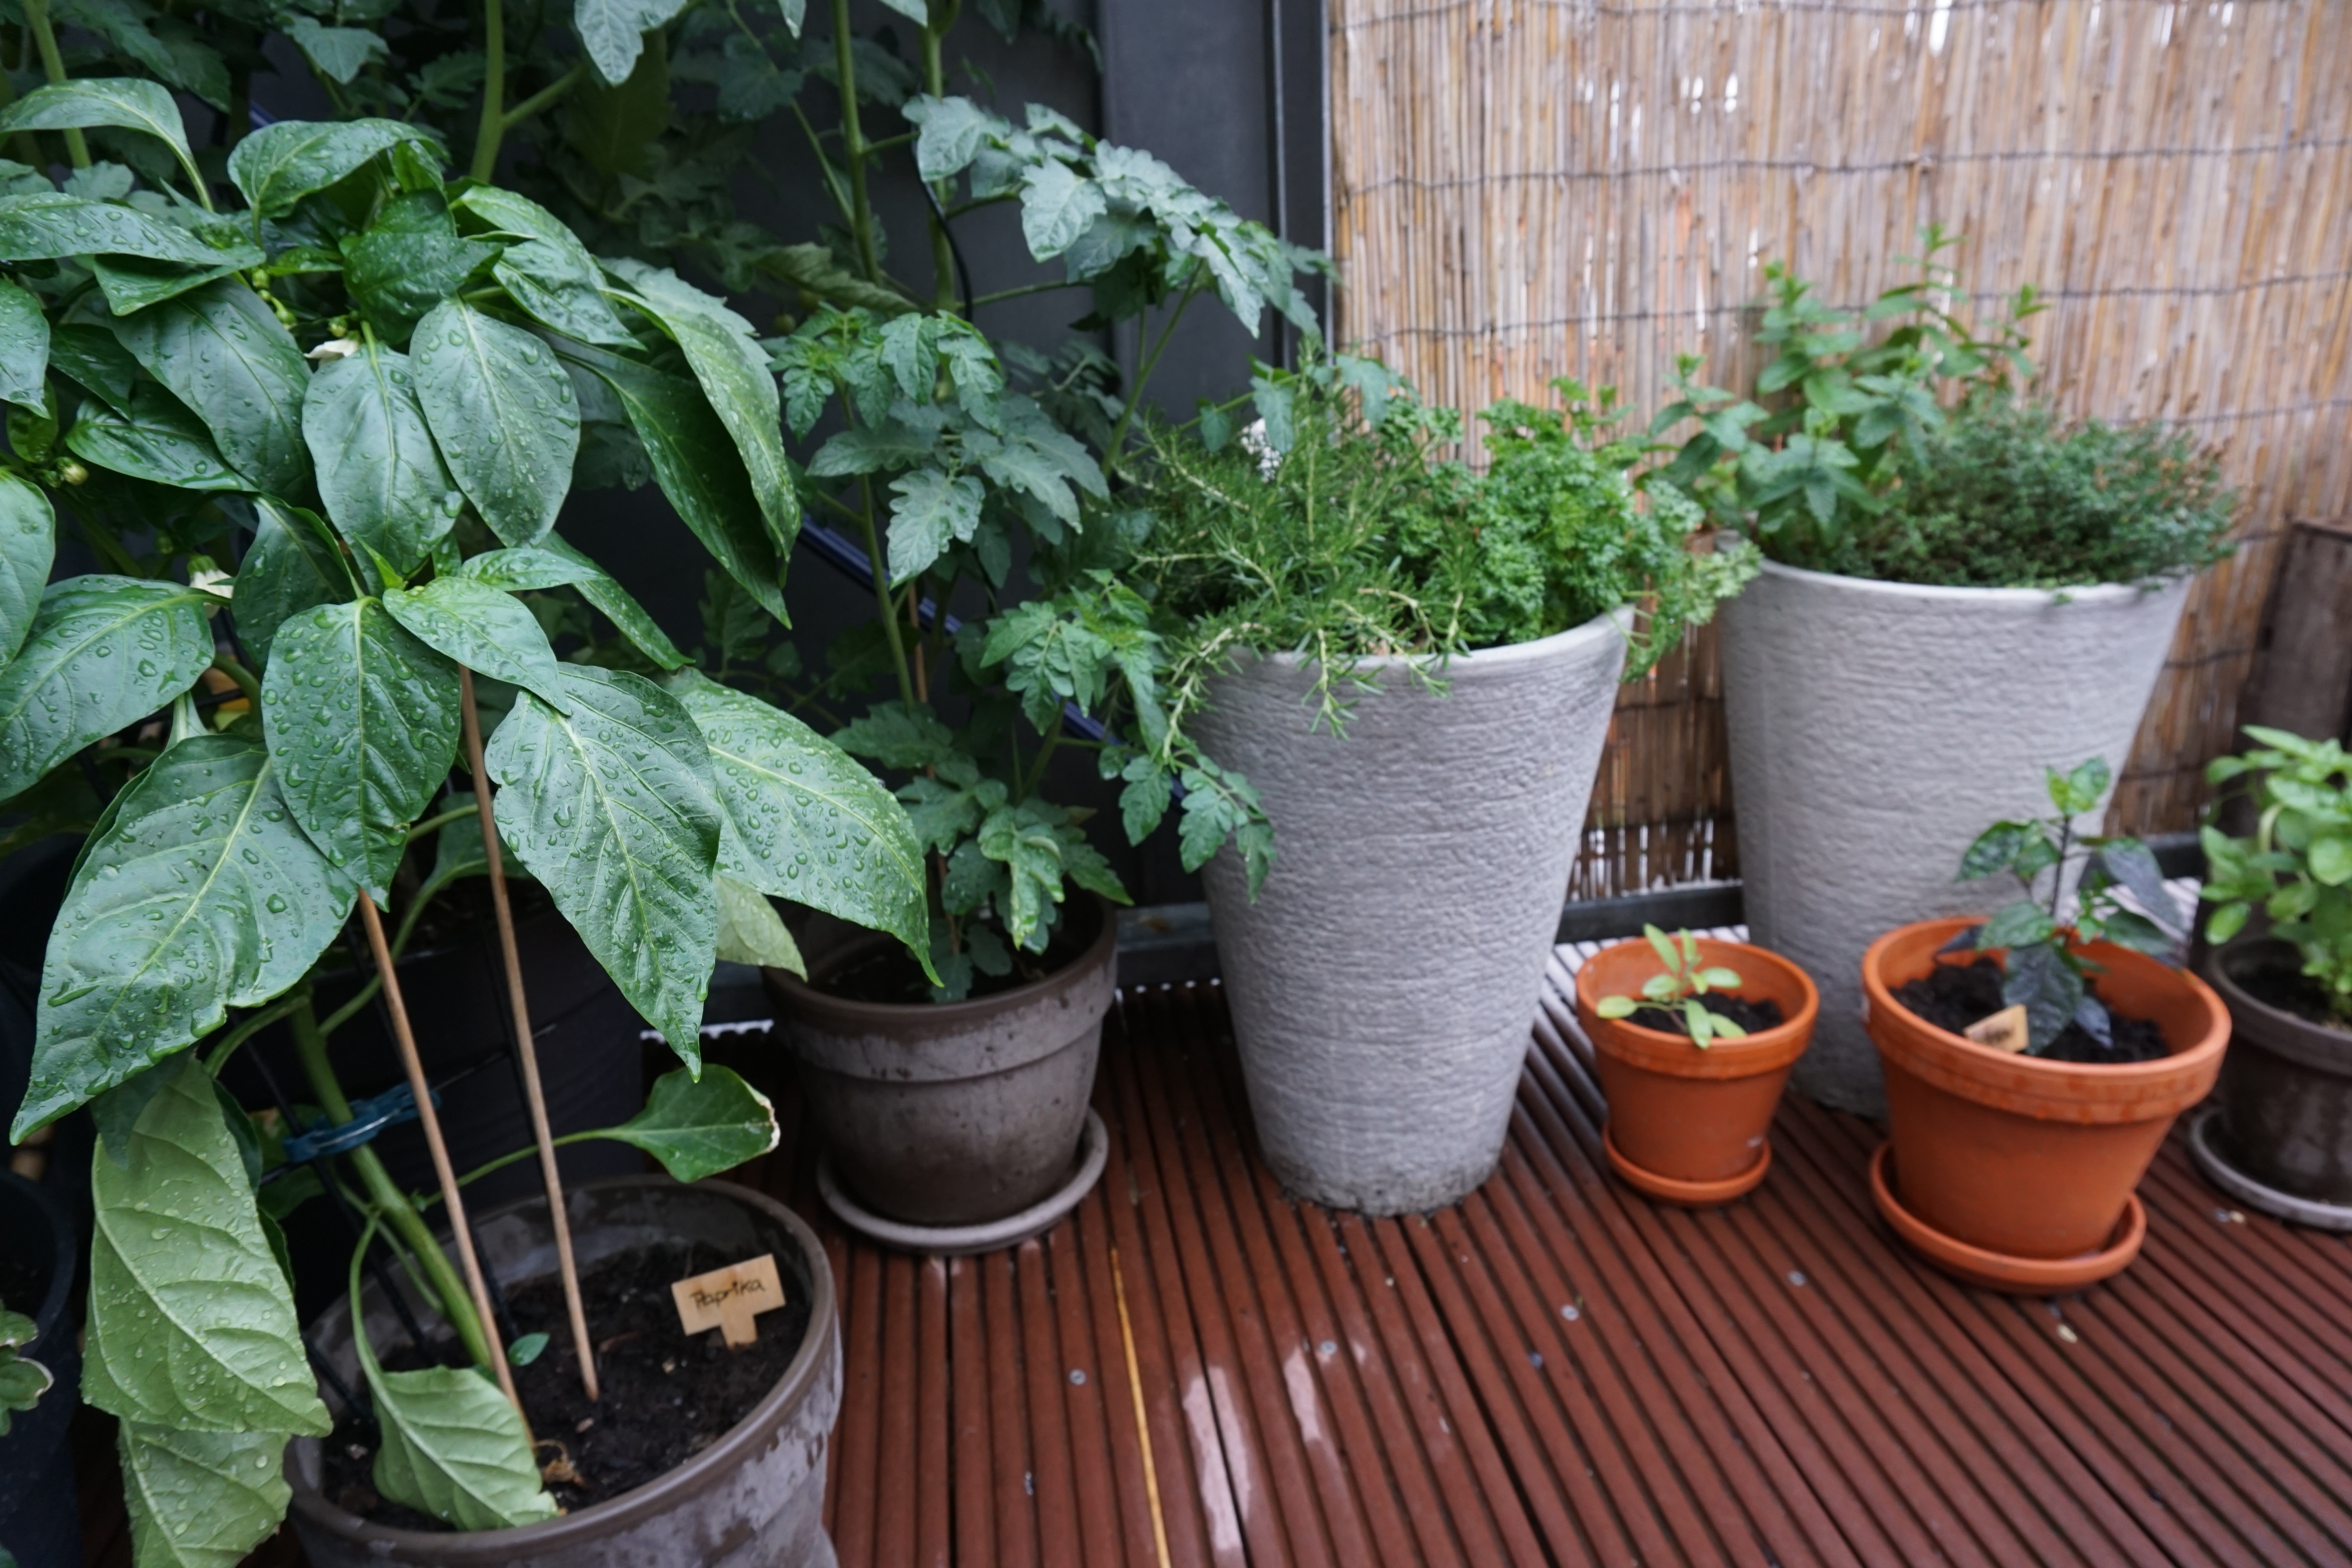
{"x": 1195, "y": 1370}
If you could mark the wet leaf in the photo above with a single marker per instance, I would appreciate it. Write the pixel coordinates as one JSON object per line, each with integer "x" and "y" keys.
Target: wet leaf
{"x": 102, "y": 652}
{"x": 191, "y": 1322}
{"x": 381, "y": 477}
{"x": 611, "y": 807}
{"x": 361, "y": 719}
{"x": 290, "y": 566}
{"x": 201, "y": 1499}
{"x": 222, "y": 352}
{"x": 503, "y": 412}
{"x": 553, "y": 562}
{"x": 279, "y": 165}
{"x": 24, "y": 349}
{"x": 198, "y": 894}
{"x": 699, "y": 1128}
{"x": 89, "y": 101}
{"x": 482, "y": 628}
{"x": 453, "y": 1447}
{"x": 48, "y": 225}
{"x": 752, "y": 932}
{"x": 157, "y": 439}
{"x": 29, "y": 532}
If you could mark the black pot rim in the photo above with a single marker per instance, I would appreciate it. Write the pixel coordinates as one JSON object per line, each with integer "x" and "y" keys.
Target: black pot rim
{"x": 2274, "y": 1029}
{"x": 52, "y": 1310}
{"x": 849, "y": 1013}
{"x": 664, "y": 1493}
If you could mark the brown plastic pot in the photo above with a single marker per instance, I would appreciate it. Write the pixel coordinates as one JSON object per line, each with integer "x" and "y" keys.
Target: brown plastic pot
{"x": 2020, "y": 1157}
{"x": 754, "y": 1499}
{"x": 2286, "y": 1084}
{"x": 955, "y": 1114}
{"x": 1687, "y": 1123}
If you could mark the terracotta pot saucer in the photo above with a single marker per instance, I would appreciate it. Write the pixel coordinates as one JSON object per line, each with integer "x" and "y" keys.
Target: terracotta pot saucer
{"x": 2000, "y": 1271}
{"x": 1689, "y": 1195}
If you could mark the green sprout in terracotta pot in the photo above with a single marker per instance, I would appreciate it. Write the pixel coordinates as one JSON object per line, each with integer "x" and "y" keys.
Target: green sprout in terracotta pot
{"x": 1675, "y": 990}
{"x": 2297, "y": 865}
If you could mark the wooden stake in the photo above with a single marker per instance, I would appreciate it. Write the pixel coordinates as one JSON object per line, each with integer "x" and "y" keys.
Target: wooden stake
{"x": 520, "y": 1007}
{"x": 430, "y": 1120}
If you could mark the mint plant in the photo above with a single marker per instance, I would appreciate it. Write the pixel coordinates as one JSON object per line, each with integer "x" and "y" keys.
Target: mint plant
{"x": 1677, "y": 989}
{"x": 2296, "y": 866}
{"x": 320, "y": 442}
{"x": 2043, "y": 973}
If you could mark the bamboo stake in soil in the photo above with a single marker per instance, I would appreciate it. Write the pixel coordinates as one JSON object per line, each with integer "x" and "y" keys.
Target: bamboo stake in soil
{"x": 430, "y": 1120}
{"x": 518, "y": 1006}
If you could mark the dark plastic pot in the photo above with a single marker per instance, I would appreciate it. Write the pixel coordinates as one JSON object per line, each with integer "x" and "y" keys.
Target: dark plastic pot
{"x": 40, "y": 1521}
{"x": 755, "y": 1499}
{"x": 957, "y": 1114}
{"x": 2286, "y": 1084}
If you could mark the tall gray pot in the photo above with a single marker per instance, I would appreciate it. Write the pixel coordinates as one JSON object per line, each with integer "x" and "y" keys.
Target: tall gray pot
{"x": 754, "y": 1499}
{"x": 1383, "y": 983}
{"x": 958, "y": 1113}
{"x": 2286, "y": 1084}
{"x": 1877, "y": 727}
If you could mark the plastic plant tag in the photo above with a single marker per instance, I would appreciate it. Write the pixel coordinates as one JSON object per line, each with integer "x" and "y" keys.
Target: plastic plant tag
{"x": 729, "y": 1298}
{"x": 2006, "y": 1030}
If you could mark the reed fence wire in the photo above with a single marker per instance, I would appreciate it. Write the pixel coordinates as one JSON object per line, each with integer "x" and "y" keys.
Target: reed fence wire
{"x": 1529, "y": 188}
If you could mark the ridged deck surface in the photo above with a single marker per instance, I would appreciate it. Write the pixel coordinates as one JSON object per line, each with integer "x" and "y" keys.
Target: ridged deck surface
{"x": 1194, "y": 1369}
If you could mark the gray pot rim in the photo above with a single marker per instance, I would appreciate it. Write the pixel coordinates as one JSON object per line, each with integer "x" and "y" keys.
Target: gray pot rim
{"x": 2277, "y": 1031}
{"x": 1615, "y": 622}
{"x": 665, "y": 1492}
{"x": 846, "y": 1014}
{"x": 1989, "y": 598}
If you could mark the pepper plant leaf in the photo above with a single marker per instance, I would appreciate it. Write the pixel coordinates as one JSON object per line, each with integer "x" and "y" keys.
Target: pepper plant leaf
{"x": 24, "y": 350}
{"x": 483, "y": 629}
{"x": 546, "y": 269}
{"x": 222, "y": 352}
{"x": 279, "y": 165}
{"x": 380, "y": 475}
{"x": 28, "y": 539}
{"x": 89, "y": 101}
{"x": 93, "y": 358}
{"x": 611, "y": 806}
{"x": 191, "y": 1322}
{"x": 750, "y": 931}
{"x": 803, "y": 820}
{"x": 408, "y": 260}
{"x": 361, "y": 719}
{"x": 49, "y": 226}
{"x": 453, "y": 1447}
{"x": 554, "y": 562}
{"x": 157, "y": 439}
{"x": 503, "y": 412}
{"x": 132, "y": 282}
{"x": 698, "y": 1128}
{"x": 290, "y": 566}
{"x": 102, "y": 651}
{"x": 198, "y": 894}
{"x": 201, "y": 1499}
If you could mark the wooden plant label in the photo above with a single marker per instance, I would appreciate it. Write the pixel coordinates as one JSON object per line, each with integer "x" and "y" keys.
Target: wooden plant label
{"x": 2006, "y": 1030}
{"x": 729, "y": 1298}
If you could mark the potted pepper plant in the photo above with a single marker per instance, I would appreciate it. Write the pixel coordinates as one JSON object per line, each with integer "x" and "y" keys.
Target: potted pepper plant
{"x": 1984, "y": 588}
{"x": 1694, "y": 1037}
{"x": 2034, "y": 1062}
{"x": 2281, "y": 957}
{"x": 322, "y": 440}
{"x": 1414, "y": 666}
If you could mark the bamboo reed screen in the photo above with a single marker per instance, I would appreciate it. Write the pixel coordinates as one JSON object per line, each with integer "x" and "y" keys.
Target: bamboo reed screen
{"x": 1527, "y": 188}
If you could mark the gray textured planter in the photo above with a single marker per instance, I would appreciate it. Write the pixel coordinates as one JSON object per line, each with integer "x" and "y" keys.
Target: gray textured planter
{"x": 1383, "y": 983}
{"x": 754, "y": 1499}
{"x": 1877, "y": 727}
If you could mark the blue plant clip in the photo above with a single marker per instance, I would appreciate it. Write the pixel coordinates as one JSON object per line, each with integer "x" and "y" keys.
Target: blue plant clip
{"x": 368, "y": 1117}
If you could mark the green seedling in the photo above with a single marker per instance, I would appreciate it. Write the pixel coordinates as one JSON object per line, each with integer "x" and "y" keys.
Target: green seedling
{"x": 1678, "y": 987}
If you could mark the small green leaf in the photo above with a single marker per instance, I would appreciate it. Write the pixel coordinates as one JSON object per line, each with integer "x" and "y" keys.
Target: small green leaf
{"x": 1726, "y": 1029}
{"x": 1719, "y": 979}
{"x": 527, "y": 1349}
{"x": 2021, "y": 924}
{"x": 752, "y": 932}
{"x": 453, "y": 1447}
{"x": 381, "y": 477}
{"x": 279, "y": 165}
{"x": 612, "y": 602}
{"x": 29, "y": 532}
{"x": 132, "y": 283}
{"x": 338, "y": 54}
{"x": 201, "y": 1499}
{"x": 1058, "y": 205}
{"x": 222, "y": 352}
{"x": 103, "y": 651}
{"x": 699, "y": 1128}
{"x": 482, "y": 628}
{"x": 503, "y": 412}
{"x": 2228, "y": 921}
{"x": 2330, "y": 859}
{"x": 1995, "y": 849}
{"x": 361, "y": 719}
{"x": 612, "y": 32}
{"x": 1663, "y": 945}
{"x": 1662, "y": 988}
{"x": 290, "y": 566}
{"x": 198, "y": 894}
{"x": 611, "y": 808}
{"x": 24, "y": 350}
{"x": 1616, "y": 1007}
{"x": 191, "y": 1322}
{"x": 931, "y": 512}
{"x": 407, "y": 260}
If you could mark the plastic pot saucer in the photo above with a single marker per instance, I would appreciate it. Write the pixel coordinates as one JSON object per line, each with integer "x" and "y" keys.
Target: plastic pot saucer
{"x": 2207, "y": 1150}
{"x": 2001, "y": 1270}
{"x": 962, "y": 1240}
{"x": 1689, "y": 1195}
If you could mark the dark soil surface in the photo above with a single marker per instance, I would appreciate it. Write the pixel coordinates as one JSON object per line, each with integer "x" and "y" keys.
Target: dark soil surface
{"x": 666, "y": 1396}
{"x": 1753, "y": 1016}
{"x": 2290, "y": 992}
{"x": 889, "y": 974}
{"x": 1954, "y": 996}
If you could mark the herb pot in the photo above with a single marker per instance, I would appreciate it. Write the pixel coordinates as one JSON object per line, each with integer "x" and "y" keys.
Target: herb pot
{"x": 957, "y": 1114}
{"x": 754, "y": 1499}
{"x": 1689, "y": 1125}
{"x": 2016, "y": 1156}
{"x": 1876, "y": 727}
{"x": 2286, "y": 1084}
{"x": 1385, "y": 981}
{"x": 40, "y": 1521}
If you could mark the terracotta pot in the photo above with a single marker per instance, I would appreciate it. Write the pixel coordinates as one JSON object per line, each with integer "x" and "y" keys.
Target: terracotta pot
{"x": 2019, "y": 1156}
{"x": 1695, "y": 1116}
{"x": 2287, "y": 1089}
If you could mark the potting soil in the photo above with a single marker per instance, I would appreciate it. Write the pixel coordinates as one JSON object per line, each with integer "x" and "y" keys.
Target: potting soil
{"x": 888, "y": 973}
{"x": 2293, "y": 994}
{"x": 1954, "y": 996}
{"x": 1753, "y": 1016}
{"x": 667, "y": 1395}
